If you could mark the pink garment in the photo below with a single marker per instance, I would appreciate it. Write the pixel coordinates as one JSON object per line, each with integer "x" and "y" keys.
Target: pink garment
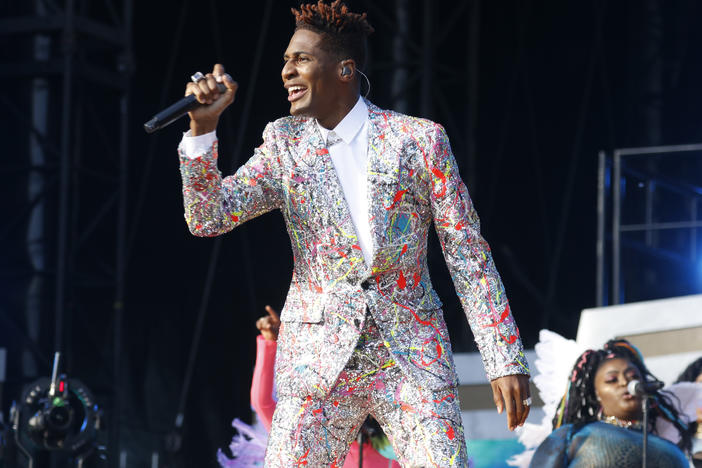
{"x": 262, "y": 385}
{"x": 264, "y": 405}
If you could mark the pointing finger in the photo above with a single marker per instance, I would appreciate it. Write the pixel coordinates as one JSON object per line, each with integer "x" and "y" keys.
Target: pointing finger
{"x": 273, "y": 314}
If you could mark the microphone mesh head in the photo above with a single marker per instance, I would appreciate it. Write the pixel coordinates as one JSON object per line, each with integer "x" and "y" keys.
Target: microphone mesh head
{"x": 634, "y": 387}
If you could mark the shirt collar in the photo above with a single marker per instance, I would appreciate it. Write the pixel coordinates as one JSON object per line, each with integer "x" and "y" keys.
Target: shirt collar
{"x": 350, "y": 125}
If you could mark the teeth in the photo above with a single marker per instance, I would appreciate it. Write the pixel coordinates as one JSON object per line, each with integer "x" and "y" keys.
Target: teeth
{"x": 294, "y": 89}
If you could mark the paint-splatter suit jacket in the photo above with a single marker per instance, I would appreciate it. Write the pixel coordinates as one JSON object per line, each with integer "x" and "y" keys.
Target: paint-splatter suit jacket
{"x": 413, "y": 181}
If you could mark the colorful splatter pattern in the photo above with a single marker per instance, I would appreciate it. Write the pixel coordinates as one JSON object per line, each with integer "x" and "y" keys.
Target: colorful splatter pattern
{"x": 423, "y": 426}
{"x": 413, "y": 182}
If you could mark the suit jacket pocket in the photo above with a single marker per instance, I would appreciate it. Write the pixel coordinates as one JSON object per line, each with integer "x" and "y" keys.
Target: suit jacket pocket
{"x": 307, "y": 309}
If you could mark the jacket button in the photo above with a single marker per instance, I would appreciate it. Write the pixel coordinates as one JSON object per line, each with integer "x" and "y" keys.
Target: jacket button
{"x": 365, "y": 285}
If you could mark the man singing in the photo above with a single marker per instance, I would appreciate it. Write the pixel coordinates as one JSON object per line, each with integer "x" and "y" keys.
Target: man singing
{"x": 359, "y": 187}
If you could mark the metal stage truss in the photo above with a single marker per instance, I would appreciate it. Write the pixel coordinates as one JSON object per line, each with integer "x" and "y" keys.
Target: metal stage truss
{"x": 649, "y": 205}
{"x": 70, "y": 63}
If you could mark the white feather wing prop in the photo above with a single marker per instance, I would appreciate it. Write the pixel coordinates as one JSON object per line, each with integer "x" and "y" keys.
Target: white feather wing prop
{"x": 555, "y": 357}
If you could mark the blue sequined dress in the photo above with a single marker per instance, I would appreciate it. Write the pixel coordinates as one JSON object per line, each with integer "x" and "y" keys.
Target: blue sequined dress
{"x": 602, "y": 445}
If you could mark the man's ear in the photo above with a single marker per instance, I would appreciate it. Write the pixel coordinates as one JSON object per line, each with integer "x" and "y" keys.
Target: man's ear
{"x": 347, "y": 70}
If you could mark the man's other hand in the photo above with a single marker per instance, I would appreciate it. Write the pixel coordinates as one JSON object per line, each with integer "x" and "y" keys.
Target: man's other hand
{"x": 510, "y": 392}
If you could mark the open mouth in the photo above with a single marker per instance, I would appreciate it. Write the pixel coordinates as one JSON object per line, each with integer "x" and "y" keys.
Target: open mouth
{"x": 296, "y": 92}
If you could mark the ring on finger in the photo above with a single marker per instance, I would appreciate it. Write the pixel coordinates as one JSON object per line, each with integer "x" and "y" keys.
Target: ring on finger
{"x": 527, "y": 401}
{"x": 197, "y": 76}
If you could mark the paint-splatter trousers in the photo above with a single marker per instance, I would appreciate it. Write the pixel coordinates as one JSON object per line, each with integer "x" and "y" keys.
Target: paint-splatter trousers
{"x": 423, "y": 426}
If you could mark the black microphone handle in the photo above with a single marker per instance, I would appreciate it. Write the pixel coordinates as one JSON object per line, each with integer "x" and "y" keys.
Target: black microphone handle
{"x": 175, "y": 111}
{"x": 636, "y": 387}
{"x": 654, "y": 385}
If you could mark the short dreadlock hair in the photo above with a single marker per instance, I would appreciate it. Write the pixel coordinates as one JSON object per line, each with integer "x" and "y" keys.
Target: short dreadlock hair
{"x": 579, "y": 405}
{"x": 345, "y": 33}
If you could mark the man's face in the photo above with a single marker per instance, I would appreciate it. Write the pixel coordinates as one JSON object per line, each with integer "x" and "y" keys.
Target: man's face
{"x": 310, "y": 75}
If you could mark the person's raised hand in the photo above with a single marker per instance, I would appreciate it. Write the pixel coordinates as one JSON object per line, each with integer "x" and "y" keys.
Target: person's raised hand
{"x": 204, "y": 119}
{"x": 510, "y": 392}
{"x": 269, "y": 324}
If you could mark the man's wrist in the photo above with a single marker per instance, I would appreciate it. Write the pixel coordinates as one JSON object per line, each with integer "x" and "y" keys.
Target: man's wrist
{"x": 202, "y": 128}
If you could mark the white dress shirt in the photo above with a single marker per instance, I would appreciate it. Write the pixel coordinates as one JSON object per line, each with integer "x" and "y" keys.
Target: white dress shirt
{"x": 348, "y": 148}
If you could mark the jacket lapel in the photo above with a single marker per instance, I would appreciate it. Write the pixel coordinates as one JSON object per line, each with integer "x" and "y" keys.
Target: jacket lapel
{"x": 382, "y": 187}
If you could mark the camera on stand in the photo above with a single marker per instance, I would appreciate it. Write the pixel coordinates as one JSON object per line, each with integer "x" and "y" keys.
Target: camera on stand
{"x": 57, "y": 415}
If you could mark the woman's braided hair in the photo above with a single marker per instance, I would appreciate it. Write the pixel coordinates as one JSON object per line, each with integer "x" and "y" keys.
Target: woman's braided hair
{"x": 579, "y": 405}
{"x": 345, "y": 33}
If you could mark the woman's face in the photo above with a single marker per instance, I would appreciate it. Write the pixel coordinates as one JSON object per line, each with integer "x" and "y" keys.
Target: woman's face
{"x": 611, "y": 380}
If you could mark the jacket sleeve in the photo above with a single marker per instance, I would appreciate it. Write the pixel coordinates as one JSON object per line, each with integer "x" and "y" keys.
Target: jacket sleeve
{"x": 262, "y": 384}
{"x": 470, "y": 263}
{"x": 214, "y": 205}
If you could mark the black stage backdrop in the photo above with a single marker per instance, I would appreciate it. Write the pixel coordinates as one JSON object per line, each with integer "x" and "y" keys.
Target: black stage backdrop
{"x": 555, "y": 83}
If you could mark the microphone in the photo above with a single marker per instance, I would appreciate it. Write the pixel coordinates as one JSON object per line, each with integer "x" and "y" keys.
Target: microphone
{"x": 644, "y": 388}
{"x": 175, "y": 111}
